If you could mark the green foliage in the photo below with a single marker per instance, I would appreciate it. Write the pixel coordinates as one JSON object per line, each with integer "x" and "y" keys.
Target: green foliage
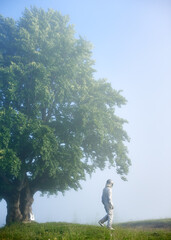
{"x": 67, "y": 231}
{"x": 57, "y": 122}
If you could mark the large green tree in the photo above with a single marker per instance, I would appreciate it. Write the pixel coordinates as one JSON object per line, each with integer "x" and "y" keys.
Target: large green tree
{"x": 57, "y": 123}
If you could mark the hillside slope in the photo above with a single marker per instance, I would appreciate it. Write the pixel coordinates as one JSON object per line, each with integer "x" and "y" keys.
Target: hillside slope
{"x": 147, "y": 224}
{"x": 69, "y": 231}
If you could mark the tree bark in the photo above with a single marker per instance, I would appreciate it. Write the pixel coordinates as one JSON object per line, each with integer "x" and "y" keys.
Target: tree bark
{"x": 19, "y": 205}
{"x": 26, "y": 201}
{"x": 13, "y": 208}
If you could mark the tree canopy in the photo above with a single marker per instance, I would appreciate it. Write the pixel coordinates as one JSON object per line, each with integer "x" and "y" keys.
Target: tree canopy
{"x": 57, "y": 122}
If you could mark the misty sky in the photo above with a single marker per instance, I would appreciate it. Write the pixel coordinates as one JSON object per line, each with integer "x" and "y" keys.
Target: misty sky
{"x": 132, "y": 49}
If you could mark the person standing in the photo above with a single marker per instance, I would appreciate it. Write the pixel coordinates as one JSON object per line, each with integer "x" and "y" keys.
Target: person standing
{"x": 108, "y": 204}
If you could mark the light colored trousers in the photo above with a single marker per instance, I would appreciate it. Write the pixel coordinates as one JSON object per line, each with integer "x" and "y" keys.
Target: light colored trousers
{"x": 108, "y": 217}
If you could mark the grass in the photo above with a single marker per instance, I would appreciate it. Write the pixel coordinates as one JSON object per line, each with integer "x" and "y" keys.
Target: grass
{"x": 68, "y": 231}
{"x": 149, "y": 224}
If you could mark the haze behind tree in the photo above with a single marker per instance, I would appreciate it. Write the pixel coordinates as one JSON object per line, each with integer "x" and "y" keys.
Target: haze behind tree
{"x": 131, "y": 49}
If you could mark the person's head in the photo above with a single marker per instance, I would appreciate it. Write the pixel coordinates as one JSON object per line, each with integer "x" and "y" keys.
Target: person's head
{"x": 109, "y": 183}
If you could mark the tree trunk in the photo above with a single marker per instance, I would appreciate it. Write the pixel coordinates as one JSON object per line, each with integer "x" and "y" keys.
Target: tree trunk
{"x": 13, "y": 208}
{"x": 26, "y": 201}
{"x": 19, "y": 205}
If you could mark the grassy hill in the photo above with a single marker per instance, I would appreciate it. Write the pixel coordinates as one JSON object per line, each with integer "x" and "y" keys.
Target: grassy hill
{"x": 149, "y": 224}
{"x": 146, "y": 230}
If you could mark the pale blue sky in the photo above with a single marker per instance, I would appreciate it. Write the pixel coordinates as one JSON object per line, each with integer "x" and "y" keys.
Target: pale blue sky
{"x": 132, "y": 49}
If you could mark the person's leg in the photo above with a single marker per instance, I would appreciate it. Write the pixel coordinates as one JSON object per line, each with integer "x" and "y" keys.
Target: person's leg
{"x": 104, "y": 219}
{"x": 110, "y": 218}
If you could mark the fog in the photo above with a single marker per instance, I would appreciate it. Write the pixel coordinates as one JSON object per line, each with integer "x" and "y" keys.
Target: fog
{"x": 132, "y": 49}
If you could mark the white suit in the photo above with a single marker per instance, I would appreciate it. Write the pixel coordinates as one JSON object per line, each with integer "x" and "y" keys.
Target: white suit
{"x": 108, "y": 204}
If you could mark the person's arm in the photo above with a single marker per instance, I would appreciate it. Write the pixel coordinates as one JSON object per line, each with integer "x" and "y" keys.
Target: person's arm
{"x": 110, "y": 198}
